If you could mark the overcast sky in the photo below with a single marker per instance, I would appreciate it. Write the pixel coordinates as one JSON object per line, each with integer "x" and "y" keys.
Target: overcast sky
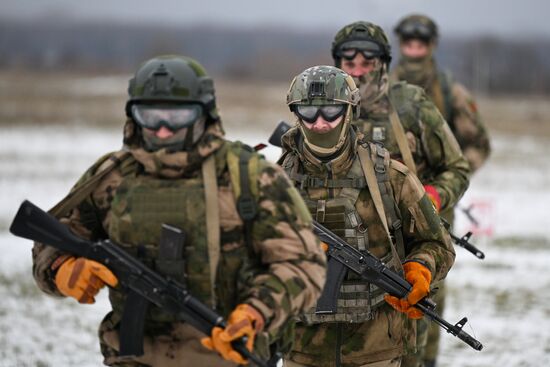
{"x": 464, "y": 17}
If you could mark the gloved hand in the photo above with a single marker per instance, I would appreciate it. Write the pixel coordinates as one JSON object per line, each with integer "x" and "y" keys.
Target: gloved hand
{"x": 420, "y": 277}
{"x": 434, "y": 197}
{"x": 245, "y": 320}
{"x": 82, "y": 279}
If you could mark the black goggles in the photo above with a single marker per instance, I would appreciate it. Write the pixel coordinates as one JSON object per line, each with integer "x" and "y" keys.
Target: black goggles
{"x": 170, "y": 116}
{"x": 416, "y": 30}
{"x": 350, "y": 49}
{"x": 310, "y": 114}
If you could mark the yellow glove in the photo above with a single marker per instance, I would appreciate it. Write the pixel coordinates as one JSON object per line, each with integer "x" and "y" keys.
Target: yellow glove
{"x": 246, "y": 321}
{"x": 420, "y": 277}
{"x": 82, "y": 279}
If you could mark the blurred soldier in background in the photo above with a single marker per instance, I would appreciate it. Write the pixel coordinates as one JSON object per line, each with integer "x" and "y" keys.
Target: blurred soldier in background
{"x": 259, "y": 265}
{"x": 402, "y": 118}
{"x": 328, "y": 159}
{"x": 418, "y": 36}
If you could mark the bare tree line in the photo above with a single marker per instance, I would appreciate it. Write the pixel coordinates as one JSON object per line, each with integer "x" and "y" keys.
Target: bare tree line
{"x": 485, "y": 64}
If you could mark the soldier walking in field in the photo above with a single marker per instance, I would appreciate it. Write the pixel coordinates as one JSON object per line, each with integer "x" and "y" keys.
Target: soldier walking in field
{"x": 249, "y": 249}
{"x": 418, "y": 36}
{"x": 331, "y": 163}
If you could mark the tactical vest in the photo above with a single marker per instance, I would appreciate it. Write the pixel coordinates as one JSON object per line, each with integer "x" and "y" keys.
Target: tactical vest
{"x": 377, "y": 127}
{"x": 143, "y": 203}
{"x": 358, "y": 300}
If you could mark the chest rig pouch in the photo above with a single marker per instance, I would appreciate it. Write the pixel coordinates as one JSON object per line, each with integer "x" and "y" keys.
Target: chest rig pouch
{"x": 358, "y": 300}
{"x": 141, "y": 206}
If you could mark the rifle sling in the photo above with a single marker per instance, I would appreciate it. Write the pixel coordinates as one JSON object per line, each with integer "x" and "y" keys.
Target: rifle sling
{"x": 401, "y": 139}
{"x": 75, "y": 197}
{"x": 212, "y": 220}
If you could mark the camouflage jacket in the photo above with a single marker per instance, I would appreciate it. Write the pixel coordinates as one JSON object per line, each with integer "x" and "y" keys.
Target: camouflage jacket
{"x": 436, "y": 153}
{"x": 389, "y": 334}
{"x": 460, "y": 110}
{"x": 281, "y": 275}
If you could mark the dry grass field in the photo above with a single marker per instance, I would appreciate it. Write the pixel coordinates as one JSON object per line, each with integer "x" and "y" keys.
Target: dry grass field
{"x": 98, "y": 100}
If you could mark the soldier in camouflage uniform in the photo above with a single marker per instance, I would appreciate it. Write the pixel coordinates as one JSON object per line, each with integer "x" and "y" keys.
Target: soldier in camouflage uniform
{"x": 400, "y": 116}
{"x": 249, "y": 251}
{"x": 353, "y": 188}
{"x": 418, "y": 36}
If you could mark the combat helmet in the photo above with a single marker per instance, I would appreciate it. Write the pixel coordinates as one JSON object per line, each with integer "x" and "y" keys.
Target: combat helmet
{"x": 331, "y": 92}
{"x": 364, "y": 36}
{"x": 417, "y": 26}
{"x": 172, "y": 91}
{"x": 172, "y": 78}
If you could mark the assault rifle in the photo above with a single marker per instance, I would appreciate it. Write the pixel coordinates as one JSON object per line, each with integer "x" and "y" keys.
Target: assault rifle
{"x": 143, "y": 285}
{"x": 343, "y": 257}
{"x": 283, "y": 127}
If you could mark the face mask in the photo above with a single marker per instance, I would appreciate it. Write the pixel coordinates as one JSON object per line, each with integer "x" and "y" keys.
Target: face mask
{"x": 416, "y": 70}
{"x": 373, "y": 85}
{"x": 326, "y": 144}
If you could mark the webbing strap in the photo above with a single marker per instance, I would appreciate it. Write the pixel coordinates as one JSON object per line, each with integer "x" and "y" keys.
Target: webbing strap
{"x": 246, "y": 204}
{"x": 445, "y": 82}
{"x": 79, "y": 193}
{"x": 438, "y": 98}
{"x": 212, "y": 220}
{"x": 307, "y": 181}
{"x": 401, "y": 139}
{"x": 372, "y": 184}
{"x": 383, "y": 178}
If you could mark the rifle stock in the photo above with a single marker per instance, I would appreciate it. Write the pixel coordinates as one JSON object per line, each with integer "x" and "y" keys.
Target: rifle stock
{"x": 144, "y": 286}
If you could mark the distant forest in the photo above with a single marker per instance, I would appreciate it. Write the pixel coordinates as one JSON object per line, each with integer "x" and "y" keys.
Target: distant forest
{"x": 485, "y": 64}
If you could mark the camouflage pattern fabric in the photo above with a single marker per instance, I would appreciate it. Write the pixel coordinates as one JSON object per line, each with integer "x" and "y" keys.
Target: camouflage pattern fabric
{"x": 281, "y": 275}
{"x": 336, "y": 87}
{"x": 435, "y": 151}
{"x": 389, "y": 334}
{"x": 459, "y": 108}
{"x": 454, "y": 102}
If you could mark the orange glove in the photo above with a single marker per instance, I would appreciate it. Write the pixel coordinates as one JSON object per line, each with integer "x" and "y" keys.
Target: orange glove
{"x": 82, "y": 279}
{"x": 420, "y": 277}
{"x": 246, "y": 321}
{"x": 434, "y": 197}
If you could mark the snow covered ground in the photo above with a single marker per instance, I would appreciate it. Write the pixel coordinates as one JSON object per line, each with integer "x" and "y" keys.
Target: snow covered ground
{"x": 506, "y": 296}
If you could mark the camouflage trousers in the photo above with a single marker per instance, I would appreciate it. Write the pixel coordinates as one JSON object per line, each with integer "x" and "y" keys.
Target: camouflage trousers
{"x": 180, "y": 347}
{"x": 388, "y": 363}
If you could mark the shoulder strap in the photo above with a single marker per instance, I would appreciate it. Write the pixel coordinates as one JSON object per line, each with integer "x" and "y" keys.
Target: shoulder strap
{"x": 445, "y": 82}
{"x": 245, "y": 186}
{"x": 372, "y": 183}
{"x": 212, "y": 219}
{"x": 377, "y": 177}
{"x": 401, "y": 139}
{"x": 81, "y": 191}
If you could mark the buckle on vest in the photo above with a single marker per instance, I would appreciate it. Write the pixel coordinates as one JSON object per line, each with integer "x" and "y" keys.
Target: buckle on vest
{"x": 380, "y": 168}
{"x": 246, "y": 206}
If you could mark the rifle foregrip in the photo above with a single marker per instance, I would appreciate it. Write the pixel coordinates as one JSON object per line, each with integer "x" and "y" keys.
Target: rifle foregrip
{"x": 470, "y": 340}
